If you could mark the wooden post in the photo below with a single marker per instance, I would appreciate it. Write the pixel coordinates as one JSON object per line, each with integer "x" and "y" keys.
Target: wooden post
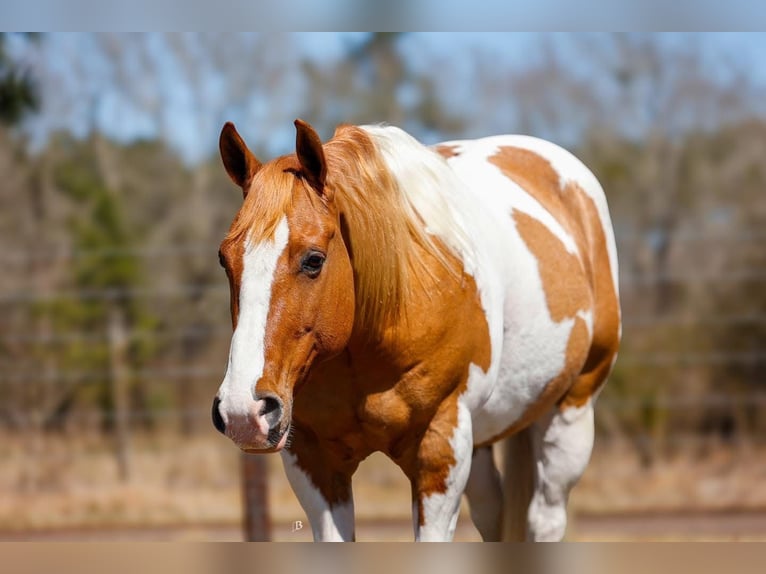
{"x": 118, "y": 389}
{"x": 256, "y": 523}
{"x": 518, "y": 484}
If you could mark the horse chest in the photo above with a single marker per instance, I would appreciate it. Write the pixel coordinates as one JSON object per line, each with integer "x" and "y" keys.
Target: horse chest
{"x": 373, "y": 405}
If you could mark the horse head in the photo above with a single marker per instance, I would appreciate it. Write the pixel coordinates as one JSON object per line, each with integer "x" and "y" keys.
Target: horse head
{"x": 291, "y": 284}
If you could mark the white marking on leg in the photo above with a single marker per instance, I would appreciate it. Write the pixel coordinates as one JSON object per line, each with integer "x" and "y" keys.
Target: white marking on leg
{"x": 328, "y": 523}
{"x": 562, "y": 444}
{"x": 246, "y": 354}
{"x": 441, "y": 510}
{"x": 485, "y": 495}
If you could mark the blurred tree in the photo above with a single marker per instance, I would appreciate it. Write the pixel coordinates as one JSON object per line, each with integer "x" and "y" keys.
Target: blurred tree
{"x": 690, "y": 267}
{"x": 19, "y": 98}
{"x": 97, "y": 226}
{"x": 19, "y": 93}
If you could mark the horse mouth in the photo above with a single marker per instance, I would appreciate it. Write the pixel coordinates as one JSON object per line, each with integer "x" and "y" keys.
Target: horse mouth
{"x": 277, "y": 440}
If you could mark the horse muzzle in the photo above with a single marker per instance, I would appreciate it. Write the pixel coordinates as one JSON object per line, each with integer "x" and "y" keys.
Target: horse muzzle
{"x": 259, "y": 426}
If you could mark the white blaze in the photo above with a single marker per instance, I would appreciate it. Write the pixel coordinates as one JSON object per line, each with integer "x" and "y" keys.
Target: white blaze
{"x": 246, "y": 354}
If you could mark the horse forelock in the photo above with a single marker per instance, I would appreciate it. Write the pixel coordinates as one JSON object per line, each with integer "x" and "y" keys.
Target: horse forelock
{"x": 266, "y": 203}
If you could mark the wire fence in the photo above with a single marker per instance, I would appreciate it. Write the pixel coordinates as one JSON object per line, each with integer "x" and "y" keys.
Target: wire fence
{"x": 224, "y": 332}
{"x": 47, "y": 255}
{"x": 627, "y": 282}
{"x": 185, "y": 372}
{"x": 21, "y": 376}
{"x": 668, "y": 403}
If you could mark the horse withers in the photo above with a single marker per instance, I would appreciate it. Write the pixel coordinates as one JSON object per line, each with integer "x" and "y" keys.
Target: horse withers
{"x": 425, "y": 303}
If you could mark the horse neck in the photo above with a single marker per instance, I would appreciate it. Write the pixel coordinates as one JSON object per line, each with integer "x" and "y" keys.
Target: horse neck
{"x": 404, "y": 229}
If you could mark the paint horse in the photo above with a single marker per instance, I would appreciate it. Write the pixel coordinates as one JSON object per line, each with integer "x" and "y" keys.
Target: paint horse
{"x": 423, "y": 302}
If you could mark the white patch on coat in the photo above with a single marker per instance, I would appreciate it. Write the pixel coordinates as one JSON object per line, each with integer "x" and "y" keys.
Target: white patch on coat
{"x": 572, "y": 169}
{"x": 569, "y": 169}
{"x": 328, "y": 524}
{"x": 246, "y": 354}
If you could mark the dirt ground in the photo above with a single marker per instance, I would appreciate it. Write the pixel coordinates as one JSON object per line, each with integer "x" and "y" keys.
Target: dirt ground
{"x": 665, "y": 526}
{"x": 67, "y": 488}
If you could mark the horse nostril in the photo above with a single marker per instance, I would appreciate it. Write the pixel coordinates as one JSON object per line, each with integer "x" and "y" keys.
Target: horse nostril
{"x": 271, "y": 410}
{"x": 217, "y": 418}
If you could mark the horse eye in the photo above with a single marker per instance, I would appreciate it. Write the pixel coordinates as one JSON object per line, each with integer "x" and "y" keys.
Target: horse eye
{"x": 312, "y": 263}
{"x": 221, "y": 260}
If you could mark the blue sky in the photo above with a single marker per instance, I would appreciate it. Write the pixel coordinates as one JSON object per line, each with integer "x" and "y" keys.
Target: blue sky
{"x": 81, "y": 88}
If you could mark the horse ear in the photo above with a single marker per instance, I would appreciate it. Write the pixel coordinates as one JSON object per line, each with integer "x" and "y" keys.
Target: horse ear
{"x": 240, "y": 163}
{"x": 308, "y": 148}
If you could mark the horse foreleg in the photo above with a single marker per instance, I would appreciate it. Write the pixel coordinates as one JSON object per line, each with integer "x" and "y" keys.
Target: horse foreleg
{"x": 325, "y": 496}
{"x": 439, "y": 473}
{"x": 561, "y": 443}
{"x": 485, "y": 495}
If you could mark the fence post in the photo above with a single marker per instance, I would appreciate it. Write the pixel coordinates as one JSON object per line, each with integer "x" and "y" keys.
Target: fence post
{"x": 257, "y": 523}
{"x": 118, "y": 389}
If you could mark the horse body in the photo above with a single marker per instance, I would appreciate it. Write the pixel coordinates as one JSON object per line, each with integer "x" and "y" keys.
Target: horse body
{"x": 504, "y": 321}
{"x": 545, "y": 231}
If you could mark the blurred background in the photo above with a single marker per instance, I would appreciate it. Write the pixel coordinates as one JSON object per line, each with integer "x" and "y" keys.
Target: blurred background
{"x": 114, "y": 313}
